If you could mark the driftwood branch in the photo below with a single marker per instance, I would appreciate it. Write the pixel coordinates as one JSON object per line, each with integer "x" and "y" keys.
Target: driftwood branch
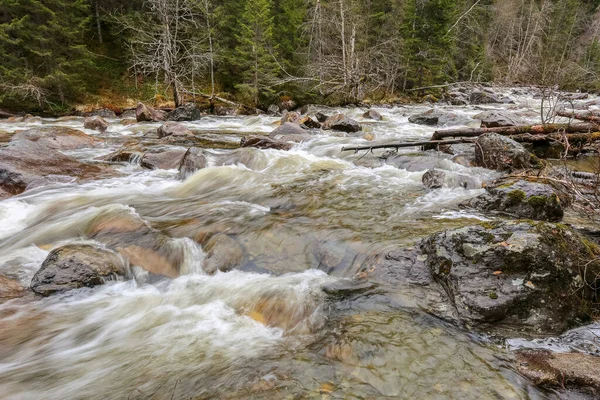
{"x": 408, "y": 144}
{"x": 587, "y": 116}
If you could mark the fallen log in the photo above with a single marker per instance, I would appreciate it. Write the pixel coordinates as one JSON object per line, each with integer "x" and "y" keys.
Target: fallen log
{"x": 408, "y": 144}
{"x": 587, "y": 116}
{"x": 573, "y": 138}
{"x": 6, "y": 114}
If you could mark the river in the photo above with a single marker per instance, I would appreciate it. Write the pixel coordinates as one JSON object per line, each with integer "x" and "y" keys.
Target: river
{"x": 311, "y": 216}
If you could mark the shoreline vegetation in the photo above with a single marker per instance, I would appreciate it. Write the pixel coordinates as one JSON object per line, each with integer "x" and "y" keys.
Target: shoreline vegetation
{"x": 67, "y": 55}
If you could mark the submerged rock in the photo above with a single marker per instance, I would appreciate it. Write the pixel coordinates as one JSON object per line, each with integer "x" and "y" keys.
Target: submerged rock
{"x": 521, "y": 199}
{"x": 10, "y": 288}
{"x": 147, "y": 113}
{"x": 529, "y": 277}
{"x": 223, "y": 253}
{"x": 95, "y": 123}
{"x": 186, "y": 112}
{"x": 193, "y": 160}
{"x": 75, "y": 266}
{"x": 339, "y": 122}
{"x": 561, "y": 370}
{"x": 261, "y": 142}
{"x": 501, "y": 153}
{"x": 174, "y": 129}
{"x": 290, "y": 132}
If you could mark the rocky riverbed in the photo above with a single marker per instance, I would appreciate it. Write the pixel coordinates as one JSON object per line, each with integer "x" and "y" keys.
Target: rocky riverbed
{"x": 184, "y": 255}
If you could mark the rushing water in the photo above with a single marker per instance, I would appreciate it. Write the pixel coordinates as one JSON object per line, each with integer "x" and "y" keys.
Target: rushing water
{"x": 311, "y": 216}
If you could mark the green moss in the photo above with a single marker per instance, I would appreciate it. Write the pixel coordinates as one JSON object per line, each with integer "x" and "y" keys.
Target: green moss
{"x": 493, "y": 295}
{"x": 537, "y": 201}
{"x": 517, "y": 196}
{"x": 489, "y": 224}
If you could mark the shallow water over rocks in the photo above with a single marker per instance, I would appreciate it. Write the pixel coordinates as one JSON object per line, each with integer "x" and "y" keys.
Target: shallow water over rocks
{"x": 304, "y": 221}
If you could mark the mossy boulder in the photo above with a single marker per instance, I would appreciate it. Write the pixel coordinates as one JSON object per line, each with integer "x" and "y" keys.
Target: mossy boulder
{"x": 500, "y": 153}
{"x": 530, "y": 277}
{"x": 522, "y": 199}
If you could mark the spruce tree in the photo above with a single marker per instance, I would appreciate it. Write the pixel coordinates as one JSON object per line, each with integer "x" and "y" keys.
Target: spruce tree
{"x": 42, "y": 45}
{"x": 256, "y": 52}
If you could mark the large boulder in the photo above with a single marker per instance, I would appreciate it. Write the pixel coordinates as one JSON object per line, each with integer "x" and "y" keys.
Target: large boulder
{"x": 75, "y": 266}
{"x": 193, "y": 160}
{"x": 339, "y": 122}
{"x": 57, "y": 138}
{"x": 433, "y": 179}
{"x": 495, "y": 119}
{"x": 435, "y": 117}
{"x": 273, "y": 110}
{"x": 95, "y": 123}
{"x": 168, "y": 159}
{"x": 372, "y": 114}
{"x": 497, "y": 152}
{"x": 147, "y": 113}
{"x": 186, "y": 112}
{"x": 174, "y": 129}
{"x": 262, "y": 142}
{"x": 536, "y": 278}
{"x": 521, "y": 199}
{"x": 321, "y": 117}
{"x": 23, "y": 162}
{"x": 309, "y": 123}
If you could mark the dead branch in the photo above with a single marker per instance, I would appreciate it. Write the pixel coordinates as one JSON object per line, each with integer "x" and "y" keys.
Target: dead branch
{"x": 587, "y": 116}
{"x": 408, "y": 144}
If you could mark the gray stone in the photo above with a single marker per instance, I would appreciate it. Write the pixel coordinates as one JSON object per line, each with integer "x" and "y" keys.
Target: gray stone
{"x": 494, "y": 119}
{"x": 340, "y": 122}
{"x": 76, "y": 266}
{"x": 521, "y": 199}
{"x": 173, "y": 129}
{"x": 193, "y": 160}
{"x": 433, "y": 179}
{"x": 434, "y": 117}
{"x": 223, "y": 253}
{"x": 95, "y": 123}
{"x": 262, "y": 142}
{"x": 372, "y": 114}
{"x": 501, "y": 153}
{"x": 186, "y": 112}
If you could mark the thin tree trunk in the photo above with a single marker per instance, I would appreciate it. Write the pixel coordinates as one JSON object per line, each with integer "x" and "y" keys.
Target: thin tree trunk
{"x": 98, "y": 26}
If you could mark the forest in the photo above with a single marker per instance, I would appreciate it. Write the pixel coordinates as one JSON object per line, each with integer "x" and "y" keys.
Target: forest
{"x": 60, "y": 53}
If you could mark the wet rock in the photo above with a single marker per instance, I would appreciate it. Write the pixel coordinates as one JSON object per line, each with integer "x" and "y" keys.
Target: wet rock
{"x": 465, "y": 159}
{"x": 433, "y": 179}
{"x": 147, "y": 113}
{"x": 494, "y": 119}
{"x": 127, "y": 155}
{"x": 273, "y": 110}
{"x": 482, "y": 97}
{"x": 521, "y": 199}
{"x": 76, "y": 266}
{"x": 415, "y": 163}
{"x": 128, "y": 121}
{"x": 545, "y": 150}
{"x": 137, "y": 242}
{"x": 309, "y": 123}
{"x": 193, "y": 160}
{"x": 168, "y": 159}
{"x": 56, "y": 138}
{"x": 289, "y": 132}
{"x": 174, "y": 129}
{"x": 456, "y": 98}
{"x": 434, "y": 117}
{"x": 261, "y": 142}
{"x": 223, "y": 253}
{"x": 95, "y": 123}
{"x": 49, "y": 180}
{"x": 287, "y": 104}
{"x": 321, "y": 117}
{"x": 101, "y": 112}
{"x": 22, "y": 162}
{"x": 187, "y": 112}
{"x": 561, "y": 370}
{"x": 521, "y": 276}
{"x": 372, "y": 114}
{"x": 129, "y": 114}
{"x": 501, "y": 153}
{"x": 339, "y": 122}
{"x": 10, "y": 288}
{"x": 291, "y": 117}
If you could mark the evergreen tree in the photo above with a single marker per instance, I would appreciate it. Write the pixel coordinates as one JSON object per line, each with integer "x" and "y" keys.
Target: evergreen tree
{"x": 255, "y": 52}
{"x": 42, "y": 45}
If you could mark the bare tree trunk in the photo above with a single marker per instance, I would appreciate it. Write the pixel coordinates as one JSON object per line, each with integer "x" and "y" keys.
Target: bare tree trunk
{"x": 343, "y": 32}
{"x": 210, "y": 49}
{"x": 98, "y": 26}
